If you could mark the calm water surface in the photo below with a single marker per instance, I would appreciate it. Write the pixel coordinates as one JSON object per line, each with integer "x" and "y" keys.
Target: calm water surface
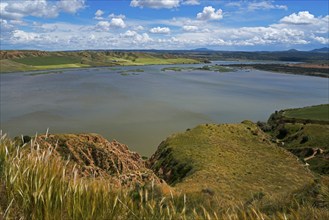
{"x": 142, "y": 109}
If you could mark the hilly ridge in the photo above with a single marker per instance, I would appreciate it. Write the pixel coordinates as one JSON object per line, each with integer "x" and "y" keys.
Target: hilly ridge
{"x": 232, "y": 161}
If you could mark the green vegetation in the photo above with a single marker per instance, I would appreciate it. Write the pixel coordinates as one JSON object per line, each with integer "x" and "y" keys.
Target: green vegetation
{"x": 44, "y": 73}
{"x": 234, "y": 161}
{"x": 35, "y": 185}
{"x": 176, "y": 68}
{"x": 215, "y": 68}
{"x": 48, "y": 60}
{"x": 283, "y": 68}
{"x": 304, "y": 132}
{"x": 7, "y": 66}
{"x": 319, "y": 112}
{"x": 131, "y": 72}
{"x": 15, "y": 61}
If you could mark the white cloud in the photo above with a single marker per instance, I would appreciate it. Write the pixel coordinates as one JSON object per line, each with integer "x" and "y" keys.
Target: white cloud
{"x": 321, "y": 40}
{"x": 71, "y": 6}
{"x": 20, "y": 36}
{"x": 265, "y": 5}
{"x": 155, "y": 3}
{"x": 117, "y": 16}
{"x": 135, "y": 38}
{"x": 118, "y": 23}
{"x": 16, "y": 10}
{"x": 190, "y": 28}
{"x": 103, "y": 26}
{"x": 191, "y": 2}
{"x": 98, "y": 15}
{"x": 302, "y": 18}
{"x": 209, "y": 13}
{"x": 129, "y": 33}
{"x": 5, "y": 26}
{"x": 139, "y": 28}
{"x": 160, "y": 30}
{"x": 106, "y": 25}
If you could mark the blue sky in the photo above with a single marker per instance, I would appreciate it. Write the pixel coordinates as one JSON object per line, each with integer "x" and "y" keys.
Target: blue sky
{"x": 164, "y": 24}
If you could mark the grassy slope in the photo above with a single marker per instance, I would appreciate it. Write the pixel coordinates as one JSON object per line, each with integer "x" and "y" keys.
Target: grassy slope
{"x": 319, "y": 112}
{"x": 303, "y": 131}
{"x": 32, "y": 186}
{"x": 233, "y": 161}
{"x": 12, "y": 66}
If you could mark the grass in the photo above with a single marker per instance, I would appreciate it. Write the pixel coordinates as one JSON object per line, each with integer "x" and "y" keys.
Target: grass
{"x": 29, "y": 61}
{"x": 318, "y": 112}
{"x": 7, "y": 66}
{"x": 35, "y": 185}
{"x": 48, "y": 60}
{"x": 304, "y": 131}
{"x": 233, "y": 162}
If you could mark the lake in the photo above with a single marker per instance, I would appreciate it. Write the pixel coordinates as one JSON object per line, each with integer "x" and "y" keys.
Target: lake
{"x": 141, "y": 109}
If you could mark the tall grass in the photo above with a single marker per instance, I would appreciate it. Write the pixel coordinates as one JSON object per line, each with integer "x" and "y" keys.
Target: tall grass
{"x": 36, "y": 185}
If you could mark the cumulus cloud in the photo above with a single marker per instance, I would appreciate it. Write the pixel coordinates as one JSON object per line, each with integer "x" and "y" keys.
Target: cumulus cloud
{"x": 20, "y": 36}
{"x": 129, "y": 33}
{"x": 136, "y": 38}
{"x": 103, "y": 26}
{"x": 155, "y": 3}
{"x": 15, "y": 10}
{"x": 265, "y": 5}
{"x": 209, "y": 13}
{"x": 118, "y": 23}
{"x": 160, "y": 30}
{"x": 98, "y": 15}
{"x": 301, "y": 18}
{"x": 114, "y": 23}
{"x": 190, "y": 28}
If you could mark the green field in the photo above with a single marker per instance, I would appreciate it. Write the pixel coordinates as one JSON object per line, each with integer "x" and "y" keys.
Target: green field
{"x": 48, "y": 60}
{"x": 319, "y": 112}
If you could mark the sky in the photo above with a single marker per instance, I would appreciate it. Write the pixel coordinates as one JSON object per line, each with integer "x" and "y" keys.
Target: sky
{"x": 255, "y": 25}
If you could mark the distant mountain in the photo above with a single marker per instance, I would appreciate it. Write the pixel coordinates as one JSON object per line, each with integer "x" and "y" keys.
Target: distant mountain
{"x": 292, "y": 50}
{"x": 321, "y": 50}
{"x": 202, "y": 49}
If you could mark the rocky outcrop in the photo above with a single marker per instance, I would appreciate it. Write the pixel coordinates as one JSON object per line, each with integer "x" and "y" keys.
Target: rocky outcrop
{"x": 94, "y": 156}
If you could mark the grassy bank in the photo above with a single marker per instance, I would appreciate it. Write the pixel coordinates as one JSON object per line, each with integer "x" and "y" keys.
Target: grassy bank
{"x": 18, "y": 61}
{"x": 34, "y": 185}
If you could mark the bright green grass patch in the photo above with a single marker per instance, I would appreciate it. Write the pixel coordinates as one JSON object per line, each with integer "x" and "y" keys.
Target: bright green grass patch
{"x": 155, "y": 60}
{"x": 61, "y": 66}
{"x": 48, "y": 60}
{"x": 319, "y": 112}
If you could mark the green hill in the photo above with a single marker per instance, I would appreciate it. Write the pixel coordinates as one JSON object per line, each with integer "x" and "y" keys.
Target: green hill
{"x": 304, "y": 132}
{"x": 235, "y": 162}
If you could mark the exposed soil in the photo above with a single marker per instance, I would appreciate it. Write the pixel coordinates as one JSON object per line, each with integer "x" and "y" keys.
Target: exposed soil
{"x": 97, "y": 157}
